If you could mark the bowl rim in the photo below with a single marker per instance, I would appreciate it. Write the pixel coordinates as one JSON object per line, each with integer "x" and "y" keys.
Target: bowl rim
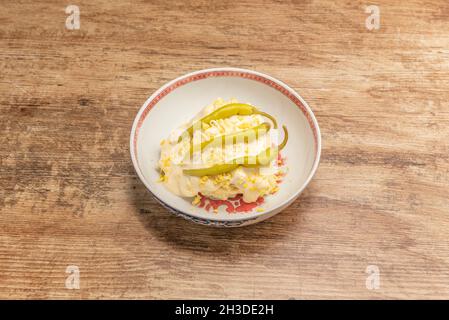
{"x": 163, "y": 88}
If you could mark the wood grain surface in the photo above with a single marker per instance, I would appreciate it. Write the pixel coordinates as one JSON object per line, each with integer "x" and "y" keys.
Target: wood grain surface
{"x": 69, "y": 195}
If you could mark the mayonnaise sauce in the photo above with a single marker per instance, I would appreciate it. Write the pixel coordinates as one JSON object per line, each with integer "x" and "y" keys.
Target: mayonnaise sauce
{"x": 252, "y": 183}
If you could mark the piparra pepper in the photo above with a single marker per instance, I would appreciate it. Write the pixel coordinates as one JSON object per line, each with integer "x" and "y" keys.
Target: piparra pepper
{"x": 262, "y": 158}
{"x": 246, "y": 136}
{"x": 227, "y": 111}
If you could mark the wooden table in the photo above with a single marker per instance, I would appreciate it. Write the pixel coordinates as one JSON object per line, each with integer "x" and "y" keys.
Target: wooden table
{"x": 69, "y": 195}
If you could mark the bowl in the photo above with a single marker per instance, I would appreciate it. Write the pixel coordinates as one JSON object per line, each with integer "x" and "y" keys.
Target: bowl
{"x": 180, "y": 99}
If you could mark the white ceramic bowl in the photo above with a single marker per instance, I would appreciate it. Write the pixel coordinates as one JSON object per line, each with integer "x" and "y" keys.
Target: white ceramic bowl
{"x": 179, "y": 100}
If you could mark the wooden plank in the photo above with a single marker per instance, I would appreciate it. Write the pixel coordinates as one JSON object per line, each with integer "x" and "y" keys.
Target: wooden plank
{"x": 69, "y": 194}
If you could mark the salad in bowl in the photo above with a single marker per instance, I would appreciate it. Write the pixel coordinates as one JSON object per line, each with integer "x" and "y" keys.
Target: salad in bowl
{"x": 227, "y": 155}
{"x": 230, "y": 161}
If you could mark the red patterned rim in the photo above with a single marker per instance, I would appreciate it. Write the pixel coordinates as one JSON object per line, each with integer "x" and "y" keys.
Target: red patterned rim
{"x": 241, "y": 74}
